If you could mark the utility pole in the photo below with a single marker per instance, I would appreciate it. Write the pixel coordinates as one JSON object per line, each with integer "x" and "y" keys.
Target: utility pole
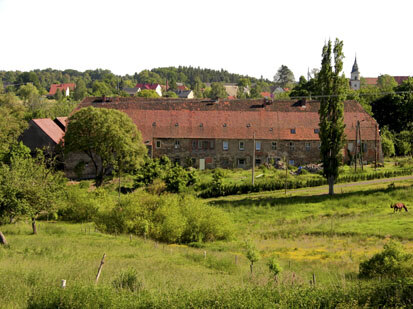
{"x": 286, "y": 174}
{"x": 253, "y": 159}
{"x": 361, "y": 148}
{"x": 375, "y": 148}
{"x": 356, "y": 146}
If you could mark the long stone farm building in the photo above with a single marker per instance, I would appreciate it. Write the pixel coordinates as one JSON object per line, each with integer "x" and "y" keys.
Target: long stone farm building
{"x": 209, "y": 134}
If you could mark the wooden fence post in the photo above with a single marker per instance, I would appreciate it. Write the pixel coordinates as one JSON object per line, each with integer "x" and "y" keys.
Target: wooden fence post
{"x": 100, "y": 268}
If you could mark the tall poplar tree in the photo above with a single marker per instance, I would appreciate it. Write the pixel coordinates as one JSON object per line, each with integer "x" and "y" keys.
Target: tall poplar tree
{"x": 332, "y": 88}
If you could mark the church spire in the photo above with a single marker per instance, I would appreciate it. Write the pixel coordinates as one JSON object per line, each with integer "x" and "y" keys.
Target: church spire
{"x": 355, "y": 66}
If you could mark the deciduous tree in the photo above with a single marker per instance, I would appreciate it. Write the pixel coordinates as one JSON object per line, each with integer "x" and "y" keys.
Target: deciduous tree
{"x": 28, "y": 186}
{"x": 332, "y": 87}
{"x": 108, "y": 137}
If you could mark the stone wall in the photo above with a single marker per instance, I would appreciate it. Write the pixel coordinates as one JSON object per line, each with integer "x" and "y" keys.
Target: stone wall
{"x": 239, "y": 153}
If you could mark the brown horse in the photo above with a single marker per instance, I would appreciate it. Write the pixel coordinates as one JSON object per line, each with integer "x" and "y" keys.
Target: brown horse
{"x": 398, "y": 207}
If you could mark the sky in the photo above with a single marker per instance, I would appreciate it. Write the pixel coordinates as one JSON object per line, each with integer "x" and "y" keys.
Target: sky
{"x": 246, "y": 37}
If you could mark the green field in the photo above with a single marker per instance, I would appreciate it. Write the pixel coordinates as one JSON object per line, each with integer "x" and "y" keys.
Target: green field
{"x": 306, "y": 231}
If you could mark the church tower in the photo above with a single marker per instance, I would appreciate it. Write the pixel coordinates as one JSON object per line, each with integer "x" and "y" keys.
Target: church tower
{"x": 355, "y": 76}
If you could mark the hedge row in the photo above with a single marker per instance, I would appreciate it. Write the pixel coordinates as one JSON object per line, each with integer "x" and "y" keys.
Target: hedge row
{"x": 295, "y": 183}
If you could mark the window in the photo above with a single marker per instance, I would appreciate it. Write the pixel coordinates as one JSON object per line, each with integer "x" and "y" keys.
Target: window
{"x": 205, "y": 145}
{"x": 258, "y": 145}
{"x": 199, "y": 144}
{"x": 176, "y": 124}
{"x": 291, "y": 146}
{"x": 291, "y": 162}
{"x": 350, "y": 146}
{"x": 292, "y": 131}
{"x": 194, "y": 144}
{"x": 201, "y": 125}
{"x": 274, "y": 145}
{"x": 211, "y": 144}
{"x": 158, "y": 144}
{"x": 153, "y": 124}
{"x": 224, "y": 145}
{"x": 319, "y": 146}
{"x": 241, "y": 145}
{"x": 257, "y": 161}
{"x": 177, "y": 144}
{"x": 241, "y": 162}
{"x": 364, "y": 147}
{"x": 316, "y": 131}
{"x": 307, "y": 146}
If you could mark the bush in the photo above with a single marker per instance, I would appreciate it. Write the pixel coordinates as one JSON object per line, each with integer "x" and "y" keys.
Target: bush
{"x": 128, "y": 280}
{"x": 78, "y": 205}
{"x": 392, "y": 262}
{"x": 169, "y": 218}
{"x": 175, "y": 177}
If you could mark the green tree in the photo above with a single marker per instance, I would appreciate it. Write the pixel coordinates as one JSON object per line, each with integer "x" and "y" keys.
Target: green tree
{"x": 28, "y": 187}
{"x": 386, "y": 83}
{"x": 404, "y": 142}
{"x": 284, "y": 77}
{"x": 12, "y": 122}
{"x": 332, "y": 87}
{"x": 58, "y": 95}
{"x": 253, "y": 255}
{"x": 395, "y": 110}
{"x": 387, "y": 142}
{"x": 274, "y": 268}
{"x": 28, "y": 93}
{"x": 101, "y": 89}
{"x": 217, "y": 91}
{"x": 147, "y": 93}
{"x": 108, "y": 137}
{"x": 80, "y": 91}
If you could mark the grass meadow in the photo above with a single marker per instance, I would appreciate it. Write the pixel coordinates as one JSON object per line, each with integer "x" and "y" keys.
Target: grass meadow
{"x": 309, "y": 233}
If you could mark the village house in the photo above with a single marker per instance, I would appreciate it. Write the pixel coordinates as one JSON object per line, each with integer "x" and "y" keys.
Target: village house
{"x": 44, "y": 134}
{"x": 185, "y": 94}
{"x": 64, "y": 88}
{"x": 156, "y": 87}
{"x": 220, "y": 133}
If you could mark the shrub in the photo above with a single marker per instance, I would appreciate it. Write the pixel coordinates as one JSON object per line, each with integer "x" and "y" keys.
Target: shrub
{"x": 274, "y": 268}
{"x": 128, "y": 280}
{"x": 78, "y": 205}
{"x": 176, "y": 178}
{"x": 392, "y": 262}
{"x": 169, "y": 218}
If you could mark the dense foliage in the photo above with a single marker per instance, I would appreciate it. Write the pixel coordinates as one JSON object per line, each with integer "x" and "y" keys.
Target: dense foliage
{"x": 108, "y": 137}
{"x": 169, "y": 218}
{"x": 332, "y": 85}
{"x": 393, "y": 262}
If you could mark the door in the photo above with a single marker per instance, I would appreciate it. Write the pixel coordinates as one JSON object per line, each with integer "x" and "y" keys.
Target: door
{"x": 201, "y": 164}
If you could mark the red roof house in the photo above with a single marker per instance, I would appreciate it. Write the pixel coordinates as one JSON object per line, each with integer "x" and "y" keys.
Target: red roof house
{"x": 42, "y": 134}
{"x": 64, "y": 88}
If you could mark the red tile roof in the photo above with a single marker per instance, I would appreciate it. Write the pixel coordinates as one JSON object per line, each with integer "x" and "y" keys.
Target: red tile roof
{"x": 231, "y": 119}
{"x": 50, "y": 128}
{"x": 61, "y": 122}
{"x": 266, "y": 94}
{"x": 372, "y": 81}
{"x": 147, "y": 86}
{"x": 400, "y": 79}
{"x": 62, "y": 87}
